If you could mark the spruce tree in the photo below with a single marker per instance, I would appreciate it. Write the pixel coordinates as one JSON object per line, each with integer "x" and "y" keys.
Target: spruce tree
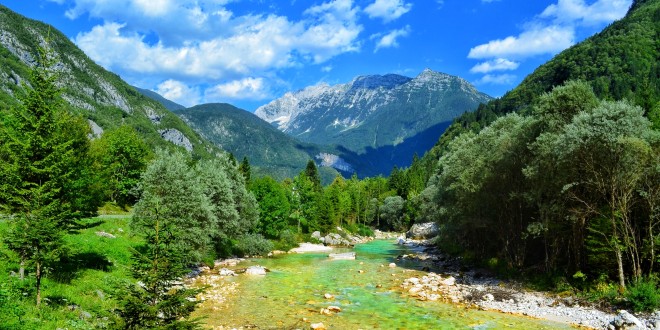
{"x": 45, "y": 180}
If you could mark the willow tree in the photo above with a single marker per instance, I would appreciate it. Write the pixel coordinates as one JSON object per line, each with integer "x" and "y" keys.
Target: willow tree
{"x": 45, "y": 178}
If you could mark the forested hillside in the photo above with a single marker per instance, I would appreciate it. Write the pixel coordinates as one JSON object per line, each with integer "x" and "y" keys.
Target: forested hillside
{"x": 99, "y": 96}
{"x": 562, "y": 173}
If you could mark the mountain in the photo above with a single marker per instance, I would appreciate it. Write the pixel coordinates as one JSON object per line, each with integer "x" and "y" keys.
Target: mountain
{"x": 246, "y": 135}
{"x": 169, "y": 105}
{"x": 382, "y": 120}
{"x": 98, "y": 95}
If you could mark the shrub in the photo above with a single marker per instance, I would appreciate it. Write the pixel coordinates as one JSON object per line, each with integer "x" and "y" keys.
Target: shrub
{"x": 253, "y": 245}
{"x": 643, "y": 296}
{"x": 288, "y": 241}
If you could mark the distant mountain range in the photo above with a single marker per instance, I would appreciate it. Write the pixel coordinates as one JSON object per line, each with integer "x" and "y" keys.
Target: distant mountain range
{"x": 246, "y": 135}
{"x": 91, "y": 91}
{"x": 378, "y": 121}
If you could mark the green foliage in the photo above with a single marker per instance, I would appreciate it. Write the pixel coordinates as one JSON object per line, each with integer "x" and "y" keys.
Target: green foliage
{"x": 643, "y": 296}
{"x": 155, "y": 301}
{"x": 120, "y": 158}
{"x": 273, "y": 205}
{"x": 171, "y": 195}
{"x": 45, "y": 174}
{"x": 252, "y": 245}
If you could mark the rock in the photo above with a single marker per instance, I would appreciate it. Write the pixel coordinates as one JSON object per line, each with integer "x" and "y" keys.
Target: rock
{"x": 448, "y": 281}
{"x": 317, "y": 326}
{"x": 226, "y": 272}
{"x": 325, "y": 311}
{"x": 176, "y": 137}
{"x": 317, "y": 235}
{"x": 104, "y": 234}
{"x": 309, "y": 247}
{"x": 255, "y": 270}
{"x": 423, "y": 230}
{"x": 334, "y": 309}
{"x": 328, "y": 296}
{"x": 400, "y": 240}
{"x": 488, "y": 297}
{"x": 392, "y": 265}
{"x": 625, "y": 320}
{"x": 342, "y": 256}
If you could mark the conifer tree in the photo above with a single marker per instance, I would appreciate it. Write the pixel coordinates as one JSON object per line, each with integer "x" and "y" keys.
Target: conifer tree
{"x": 45, "y": 180}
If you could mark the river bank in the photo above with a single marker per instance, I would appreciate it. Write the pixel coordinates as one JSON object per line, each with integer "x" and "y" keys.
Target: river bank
{"x": 473, "y": 288}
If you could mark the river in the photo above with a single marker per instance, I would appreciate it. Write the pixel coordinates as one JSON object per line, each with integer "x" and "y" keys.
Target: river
{"x": 291, "y": 296}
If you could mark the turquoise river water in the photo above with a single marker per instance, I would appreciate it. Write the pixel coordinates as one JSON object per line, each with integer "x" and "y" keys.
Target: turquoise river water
{"x": 291, "y": 295}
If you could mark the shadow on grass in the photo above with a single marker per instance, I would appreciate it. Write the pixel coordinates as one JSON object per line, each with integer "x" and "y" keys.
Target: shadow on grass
{"x": 70, "y": 267}
{"x": 86, "y": 224}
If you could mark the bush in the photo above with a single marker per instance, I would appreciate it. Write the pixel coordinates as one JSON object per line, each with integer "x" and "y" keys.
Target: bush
{"x": 643, "y": 296}
{"x": 288, "y": 241}
{"x": 253, "y": 245}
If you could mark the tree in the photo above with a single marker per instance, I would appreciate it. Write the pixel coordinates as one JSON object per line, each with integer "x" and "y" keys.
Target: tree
{"x": 45, "y": 180}
{"x": 157, "y": 300}
{"x": 171, "y": 194}
{"x": 312, "y": 173}
{"x": 273, "y": 205}
{"x": 244, "y": 168}
{"x": 392, "y": 213}
{"x": 120, "y": 157}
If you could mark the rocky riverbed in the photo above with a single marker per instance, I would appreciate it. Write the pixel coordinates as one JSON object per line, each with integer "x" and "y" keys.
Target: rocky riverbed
{"x": 475, "y": 290}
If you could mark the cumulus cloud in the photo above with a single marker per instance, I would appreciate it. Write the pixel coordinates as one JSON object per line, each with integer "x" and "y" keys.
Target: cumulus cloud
{"x": 247, "y": 88}
{"x": 544, "y": 40}
{"x": 497, "y": 79}
{"x": 550, "y": 32}
{"x": 390, "y": 39}
{"x": 179, "y": 92}
{"x": 202, "y": 42}
{"x": 601, "y": 11}
{"x": 498, "y": 64}
{"x": 387, "y": 10}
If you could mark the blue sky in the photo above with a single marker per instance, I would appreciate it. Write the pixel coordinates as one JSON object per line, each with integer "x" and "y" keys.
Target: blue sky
{"x": 249, "y": 52}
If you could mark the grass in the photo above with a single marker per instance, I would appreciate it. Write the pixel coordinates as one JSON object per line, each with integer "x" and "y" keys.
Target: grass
{"x": 78, "y": 292}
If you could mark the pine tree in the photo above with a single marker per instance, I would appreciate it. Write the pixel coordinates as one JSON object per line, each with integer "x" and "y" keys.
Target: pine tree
{"x": 45, "y": 180}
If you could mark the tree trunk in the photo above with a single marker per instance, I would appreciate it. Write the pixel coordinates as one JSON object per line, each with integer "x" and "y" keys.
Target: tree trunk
{"x": 38, "y": 277}
{"x": 21, "y": 270}
{"x": 619, "y": 261}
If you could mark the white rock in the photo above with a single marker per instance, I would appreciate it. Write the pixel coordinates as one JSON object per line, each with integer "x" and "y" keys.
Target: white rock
{"x": 255, "y": 270}
{"x": 392, "y": 265}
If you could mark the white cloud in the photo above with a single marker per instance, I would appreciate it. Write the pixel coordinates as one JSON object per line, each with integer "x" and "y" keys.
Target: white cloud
{"x": 538, "y": 40}
{"x": 387, "y": 10}
{"x": 390, "y": 39}
{"x": 600, "y": 11}
{"x": 498, "y": 64}
{"x": 489, "y": 1}
{"x": 326, "y": 68}
{"x": 201, "y": 42}
{"x": 179, "y": 92}
{"x": 501, "y": 79}
{"x": 247, "y": 88}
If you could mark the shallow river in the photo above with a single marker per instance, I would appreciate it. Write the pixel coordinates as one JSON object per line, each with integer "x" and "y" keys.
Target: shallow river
{"x": 291, "y": 295}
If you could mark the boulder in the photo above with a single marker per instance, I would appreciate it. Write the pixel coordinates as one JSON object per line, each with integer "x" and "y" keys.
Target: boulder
{"x": 625, "y": 320}
{"x": 255, "y": 270}
{"x": 423, "y": 230}
{"x": 226, "y": 272}
{"x": 309, "y": 247}
{"x": 392, "y": 265}
{"x": 317, "y": 235}
{"x": 328, "y": 296}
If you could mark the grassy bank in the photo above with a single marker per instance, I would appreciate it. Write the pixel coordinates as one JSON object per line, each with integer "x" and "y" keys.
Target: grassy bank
{"x": 78, "y": 290}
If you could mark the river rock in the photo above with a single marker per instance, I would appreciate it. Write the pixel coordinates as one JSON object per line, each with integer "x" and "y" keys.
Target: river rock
{"x": 423, "y": 230}
{"x": 255, "y": 270}
{"x": 335, "y": 309}
{"x": 309, "y": 247}
{"x": 449, "y": 281}
{"x": 392, "y": 265}
{"x": 625, "y": 320}
{"x": 328, "y": 296}
{"x": 342, "y": 256}
{"x": 226, "y": 272}
{"x": 317, "y": 326}
{"x": 317, "y": 235}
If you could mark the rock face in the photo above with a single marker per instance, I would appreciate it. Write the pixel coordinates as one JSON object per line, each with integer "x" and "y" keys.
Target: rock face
{"x": 176, "y": 137}
{"x": 423, "y": 230}
{"x": 386, "y": 118}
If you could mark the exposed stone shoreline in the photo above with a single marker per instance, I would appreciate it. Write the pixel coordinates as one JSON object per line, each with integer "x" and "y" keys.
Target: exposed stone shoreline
{"x": 473, "y": 289}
